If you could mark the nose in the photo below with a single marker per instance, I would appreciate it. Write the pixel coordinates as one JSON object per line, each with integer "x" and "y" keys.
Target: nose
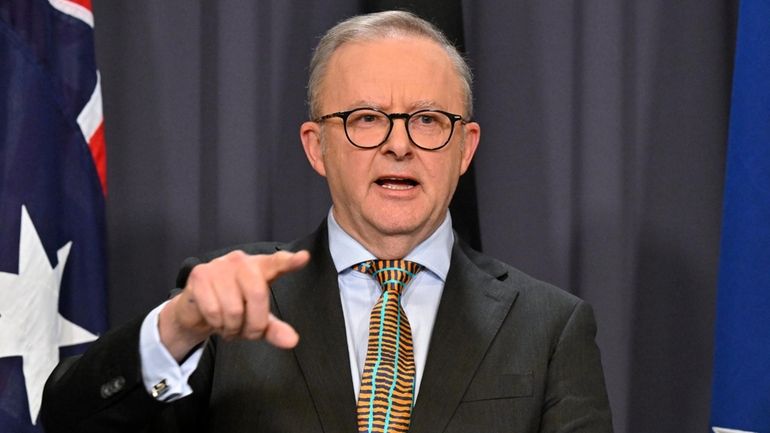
{"x": 398, "y": 143}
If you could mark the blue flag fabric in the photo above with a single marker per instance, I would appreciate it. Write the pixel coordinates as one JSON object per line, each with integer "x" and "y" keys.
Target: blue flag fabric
{"x": 741, "y": 386}
{"x": 52, "y": 220}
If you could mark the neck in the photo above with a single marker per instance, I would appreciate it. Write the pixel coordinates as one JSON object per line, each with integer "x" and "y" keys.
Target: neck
{"x": 387, "y": 246}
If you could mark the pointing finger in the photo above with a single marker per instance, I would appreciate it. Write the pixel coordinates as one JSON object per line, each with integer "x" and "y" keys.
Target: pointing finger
{"x": 274, "y": 265}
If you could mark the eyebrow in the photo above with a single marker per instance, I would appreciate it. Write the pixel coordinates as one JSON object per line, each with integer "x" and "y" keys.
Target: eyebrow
{"x": 426, "y": 103}
{"x": 417, "y": 105}
{"x": 363, "y": 103}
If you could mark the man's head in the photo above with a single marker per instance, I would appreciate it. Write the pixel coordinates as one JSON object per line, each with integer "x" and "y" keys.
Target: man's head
{"x": 379, "y": 26}
{"x": 390, "y": 193}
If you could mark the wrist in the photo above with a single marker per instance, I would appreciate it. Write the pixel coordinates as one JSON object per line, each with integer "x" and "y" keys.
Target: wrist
{"x": 178, "y": 339}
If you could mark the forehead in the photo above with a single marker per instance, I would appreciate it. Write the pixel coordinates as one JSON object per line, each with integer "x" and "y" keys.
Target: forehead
{"x": 395, "y": 73}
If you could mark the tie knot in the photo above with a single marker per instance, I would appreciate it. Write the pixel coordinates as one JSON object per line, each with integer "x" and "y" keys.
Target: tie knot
{"x": 391, "y": 274}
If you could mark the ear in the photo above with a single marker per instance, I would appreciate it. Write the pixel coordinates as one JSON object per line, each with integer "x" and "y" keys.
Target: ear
{"x": 472, "y": 134}
{"x": 310, "y": 134}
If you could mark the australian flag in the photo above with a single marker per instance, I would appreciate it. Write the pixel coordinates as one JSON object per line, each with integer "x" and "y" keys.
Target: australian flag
{"x": 741, "y": 391}
{"x": 52, "y": 190}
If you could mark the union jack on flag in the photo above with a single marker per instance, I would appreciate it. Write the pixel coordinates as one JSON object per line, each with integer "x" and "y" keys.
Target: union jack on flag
{"x": 52, "y": 193}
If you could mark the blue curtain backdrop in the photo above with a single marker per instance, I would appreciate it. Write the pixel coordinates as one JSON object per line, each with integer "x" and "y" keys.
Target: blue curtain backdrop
{"x": 741, "y": 393}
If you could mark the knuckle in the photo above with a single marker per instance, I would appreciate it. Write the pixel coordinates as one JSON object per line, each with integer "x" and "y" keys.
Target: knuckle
{"x": 235, "y": 257}
{"x": 210, "y": 311}
{"x": 233, "y": 313}
{"x": 197, "y": 273}
{"x": 259, "y": 296}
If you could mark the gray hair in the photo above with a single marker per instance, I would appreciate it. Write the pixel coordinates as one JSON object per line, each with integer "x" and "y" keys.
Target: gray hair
{"x": 375, "y": 26}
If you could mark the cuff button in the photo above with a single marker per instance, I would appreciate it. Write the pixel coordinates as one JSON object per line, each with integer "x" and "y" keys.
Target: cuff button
{"x": 112, "y": 387}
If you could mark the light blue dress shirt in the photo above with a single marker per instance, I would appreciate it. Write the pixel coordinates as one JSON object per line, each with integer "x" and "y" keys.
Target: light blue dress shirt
{"x": 358, "y": 294}
{"x": 420, "y": 298}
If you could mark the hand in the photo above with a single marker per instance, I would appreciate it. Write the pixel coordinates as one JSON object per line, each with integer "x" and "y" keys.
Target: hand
{"x": 229, "y": 296}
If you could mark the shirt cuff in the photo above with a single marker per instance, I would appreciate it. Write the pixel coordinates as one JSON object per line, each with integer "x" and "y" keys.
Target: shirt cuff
{"x": 163, "y": 377}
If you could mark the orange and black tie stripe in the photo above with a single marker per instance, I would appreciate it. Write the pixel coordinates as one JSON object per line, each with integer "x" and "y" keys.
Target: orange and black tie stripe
{"x": 387, "y": 386}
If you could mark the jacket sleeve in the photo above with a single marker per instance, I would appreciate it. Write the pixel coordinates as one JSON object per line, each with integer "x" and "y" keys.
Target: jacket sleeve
{"x": 102, "y": 390}
{"x": 575, "y": 396}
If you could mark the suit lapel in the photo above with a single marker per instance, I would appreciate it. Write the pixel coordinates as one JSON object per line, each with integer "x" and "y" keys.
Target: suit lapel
{"x": 472, "y": 309}
{"x": 473, "y": 306}
{"x": 310, "y": 301}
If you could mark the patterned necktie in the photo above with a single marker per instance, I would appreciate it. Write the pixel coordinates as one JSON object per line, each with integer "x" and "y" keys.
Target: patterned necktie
{"x": 387, "y": 386}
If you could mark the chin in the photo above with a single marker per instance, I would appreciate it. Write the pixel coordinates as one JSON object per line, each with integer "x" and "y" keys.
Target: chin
{"x": 398, "y": 226}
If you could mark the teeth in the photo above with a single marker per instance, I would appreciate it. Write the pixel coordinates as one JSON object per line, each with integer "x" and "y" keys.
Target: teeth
{"x": 396, "y": 187}
{"x": 396, "y": 183}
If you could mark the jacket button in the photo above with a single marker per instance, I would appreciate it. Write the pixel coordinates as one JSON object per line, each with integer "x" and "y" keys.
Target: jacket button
{"x": 112, "y": 387}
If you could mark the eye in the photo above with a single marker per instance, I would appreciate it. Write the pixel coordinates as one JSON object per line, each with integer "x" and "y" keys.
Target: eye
{"x": 426, "y": 119}
{"x": 366, "y": 119}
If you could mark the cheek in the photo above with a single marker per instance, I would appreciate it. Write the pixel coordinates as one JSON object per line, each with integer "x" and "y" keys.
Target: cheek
{"x": 347, "y": 171}
{"x": 444, "y": 174}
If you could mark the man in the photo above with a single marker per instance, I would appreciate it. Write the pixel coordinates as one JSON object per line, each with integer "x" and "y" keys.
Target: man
{"x": 448, "y": 340}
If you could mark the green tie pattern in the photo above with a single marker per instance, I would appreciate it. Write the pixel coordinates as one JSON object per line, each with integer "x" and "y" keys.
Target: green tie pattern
{"x": 387, "y": 386}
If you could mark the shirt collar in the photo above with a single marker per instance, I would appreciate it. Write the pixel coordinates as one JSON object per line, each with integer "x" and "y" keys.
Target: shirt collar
{"x": 434, "y": 253}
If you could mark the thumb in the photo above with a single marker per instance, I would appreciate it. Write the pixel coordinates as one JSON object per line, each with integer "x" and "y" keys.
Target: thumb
{"x": 280, "y": 334}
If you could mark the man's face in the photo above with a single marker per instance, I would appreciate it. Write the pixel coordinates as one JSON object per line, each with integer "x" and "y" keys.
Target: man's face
{"x": 396, "y": 191}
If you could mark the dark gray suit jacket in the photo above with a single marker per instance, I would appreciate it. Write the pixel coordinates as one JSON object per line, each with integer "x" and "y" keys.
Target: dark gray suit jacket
{"x": 508, "y": 354}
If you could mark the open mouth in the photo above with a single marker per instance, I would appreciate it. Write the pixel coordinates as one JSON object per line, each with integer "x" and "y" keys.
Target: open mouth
{"x": 396, "y": 183}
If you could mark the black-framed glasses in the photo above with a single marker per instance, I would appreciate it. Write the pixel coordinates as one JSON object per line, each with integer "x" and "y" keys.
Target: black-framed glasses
{"x": 368, "y": 128}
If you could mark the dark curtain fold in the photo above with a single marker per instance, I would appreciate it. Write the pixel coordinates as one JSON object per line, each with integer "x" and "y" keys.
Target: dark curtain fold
{"x": 600, "y": 167}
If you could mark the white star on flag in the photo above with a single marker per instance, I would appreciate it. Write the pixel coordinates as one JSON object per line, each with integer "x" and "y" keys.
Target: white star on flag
{"x": 30, "y": 323}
